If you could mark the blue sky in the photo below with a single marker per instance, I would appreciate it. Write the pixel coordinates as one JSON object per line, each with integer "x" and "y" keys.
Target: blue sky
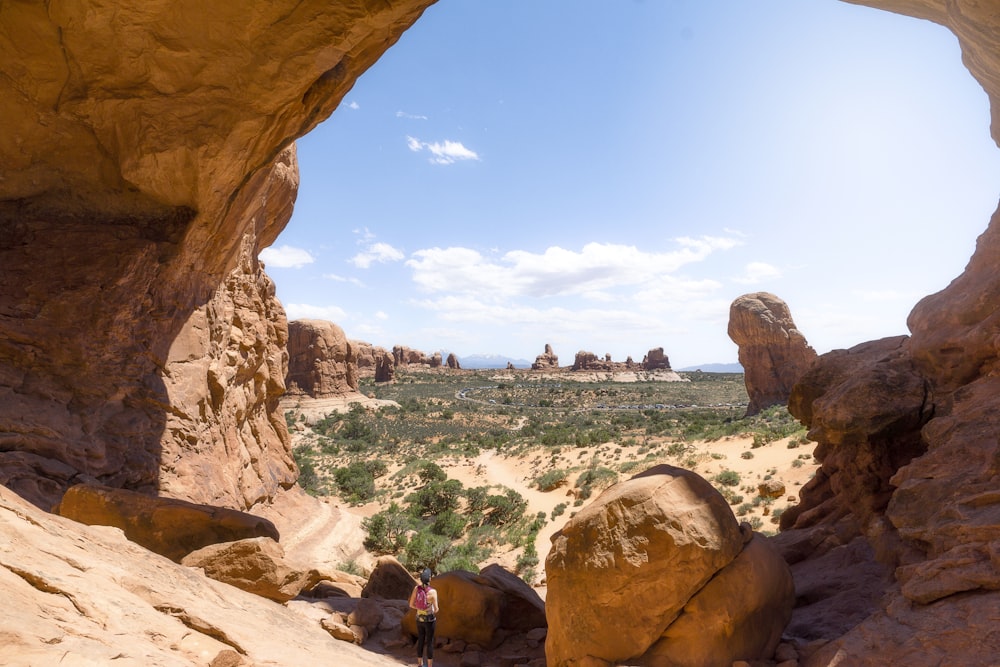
{"x": 609, "y": 175}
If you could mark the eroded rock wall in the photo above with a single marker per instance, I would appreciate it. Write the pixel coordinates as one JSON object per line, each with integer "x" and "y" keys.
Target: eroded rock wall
{"x": 143, "y": 169}
{"x": 909, "y": 443}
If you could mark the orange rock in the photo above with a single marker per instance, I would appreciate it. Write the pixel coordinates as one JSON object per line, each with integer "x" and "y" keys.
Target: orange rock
{"x": 321, "y": 361}
{"x": 774, "y": 353}
{"x": 170, "y": 527}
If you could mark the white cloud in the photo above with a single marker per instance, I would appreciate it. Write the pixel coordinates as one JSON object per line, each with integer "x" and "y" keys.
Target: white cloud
{"x": 343, "y": 279}
{"x": 376, "y": 252}
{"x": 305, "y": 311}
{"x": 597, "y": 269}
{"x": 758, "y": 272}
{"x": 381, "y": 315}
{"x": 410, "y": 116}
{"x": 354, "y": 105}
{"x": 285, "y": 257}
{"x": 446, "y": 152}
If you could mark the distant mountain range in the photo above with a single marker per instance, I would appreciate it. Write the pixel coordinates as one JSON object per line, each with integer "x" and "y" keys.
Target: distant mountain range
{"x": 734, "y": 367}
{"x": 491, "y": 361}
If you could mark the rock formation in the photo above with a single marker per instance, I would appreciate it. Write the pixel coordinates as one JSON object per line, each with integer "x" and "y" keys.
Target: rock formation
{"x": 151, "y": 165}
{"x": 85, "y": 595}
{"x": 655, "y": 360}
{"x": 404, "y": 356}
{"x": 664, "y": 551}
{"x": 256, "y": 565}
{"x": 452, "y": 362}
{"x": 321, "y": 361}
{"x": 774, "y": 354}
{"x": 483, "y": 607}
{"x": 385, "y": 369}
{"x": 546, "y": 361}
{"x": 166, "y": 526}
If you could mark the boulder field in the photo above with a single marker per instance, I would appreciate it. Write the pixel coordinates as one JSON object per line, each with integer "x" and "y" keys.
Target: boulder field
{"x": 147, "y": 156}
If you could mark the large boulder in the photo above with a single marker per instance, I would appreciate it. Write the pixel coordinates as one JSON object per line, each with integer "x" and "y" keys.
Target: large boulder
{"x": 167, "y": 526}
{"x": 773, "y": 352}
{"x": 321, "y": 361}
{"x": 739, "y": 615}
{"x": 482, "y": 608}
{"x": 640, "y": 552}
{"x": 389, "y": 580}
{"x": 471, "y": 609}
{"x": 256, "y": 565}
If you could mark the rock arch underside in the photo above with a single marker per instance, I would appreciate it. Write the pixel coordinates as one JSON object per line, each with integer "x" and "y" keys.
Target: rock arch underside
{"x": 146, "y": 156}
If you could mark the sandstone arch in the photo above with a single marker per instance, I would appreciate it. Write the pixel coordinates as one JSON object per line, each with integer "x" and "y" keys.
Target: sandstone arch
{"x": 147, "y": 158}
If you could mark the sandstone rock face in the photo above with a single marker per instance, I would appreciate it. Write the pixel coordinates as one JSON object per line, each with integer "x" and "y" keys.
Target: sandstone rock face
{"x": 740, "y": 614}
{"x": 546, "y": 361}
{"x": 321, "y": 361}
{"x": 385, "y": 369}
{"x": 452, "y": 362}
{"x": 641, "y": 551}
{"x": 405, "y": 356}
{"x": 774, "y": 354}
{"x": 148, "y": 167}
{"x": 655, "y": 359}
{"x": 85, "y": 595}
{"x": 169, "y": 527}
{"x": 389, "y": 580}
{"x": 256, "y": 565}
{"x": 364, "y": 355}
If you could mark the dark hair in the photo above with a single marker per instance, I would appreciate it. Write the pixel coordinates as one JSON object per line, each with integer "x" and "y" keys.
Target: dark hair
{"x": 425, "y": 576}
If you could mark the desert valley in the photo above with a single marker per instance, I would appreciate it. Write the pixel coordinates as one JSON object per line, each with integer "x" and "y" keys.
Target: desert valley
{"x": 188, "y": 478}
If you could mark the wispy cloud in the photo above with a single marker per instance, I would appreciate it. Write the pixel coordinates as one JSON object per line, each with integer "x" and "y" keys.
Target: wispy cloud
{"x": 758, "y": 272}
{"x": 343, "y": 279}
{"x": 286, "y": 257}
{"x": 446, "y": 152}
{"x": 305, "y": 311}
{"x": 410, "y": 116}
{"x": 354, "y": 105}
{"x": 376, "y": 252}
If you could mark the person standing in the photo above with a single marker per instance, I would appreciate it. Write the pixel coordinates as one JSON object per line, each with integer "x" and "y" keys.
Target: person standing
{"x": 425, "y": 600}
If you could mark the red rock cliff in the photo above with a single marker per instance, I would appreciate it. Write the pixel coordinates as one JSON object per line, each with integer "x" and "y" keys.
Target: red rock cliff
{"x": 143, "y": 169}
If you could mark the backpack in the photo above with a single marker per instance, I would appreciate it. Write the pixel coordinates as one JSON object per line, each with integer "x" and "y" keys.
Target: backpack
{"x": 421, "y": 599}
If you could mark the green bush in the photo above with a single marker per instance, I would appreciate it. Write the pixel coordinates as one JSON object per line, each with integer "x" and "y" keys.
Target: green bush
{"x": 355, "y": 482}
{"x": 436, "y": 497}
{"x": 551, "y": 479}
{"x": 449, "y": 524}
{"x": 501, "y": 510}
{"x": 425, "y": 549}
{"x": 727, "y": 478}
{"x": 386, "y": 530}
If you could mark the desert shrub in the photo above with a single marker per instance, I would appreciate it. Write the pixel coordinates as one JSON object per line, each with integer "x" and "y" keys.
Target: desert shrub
{"x": 376, "y": 468}
{"x": 465, "y": 556}
{"x": 432, "y": 472}
{"x": 558, "y": 510}
{"x": 528, "y": 559}
{"x": 449, "y": 524}
{"x": 744, "y": 509}
{"x": 746, "y": 455}
{"x": 308, "y": 479}
{"x": 727, "y": 478}
{"x": 731, "y": 496}
{"x": 425, "y": 549}
{"x": 475, "y": 498}
{"x": 503, "y": 509}
{"x": 551, "y": 479}
{"x": 355, "y": 482}
{"x": 435, "y": 497}
{"x": 595, "y": 477}
{"x": 386, "y": 530}
{"x": 797, "y": 463}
